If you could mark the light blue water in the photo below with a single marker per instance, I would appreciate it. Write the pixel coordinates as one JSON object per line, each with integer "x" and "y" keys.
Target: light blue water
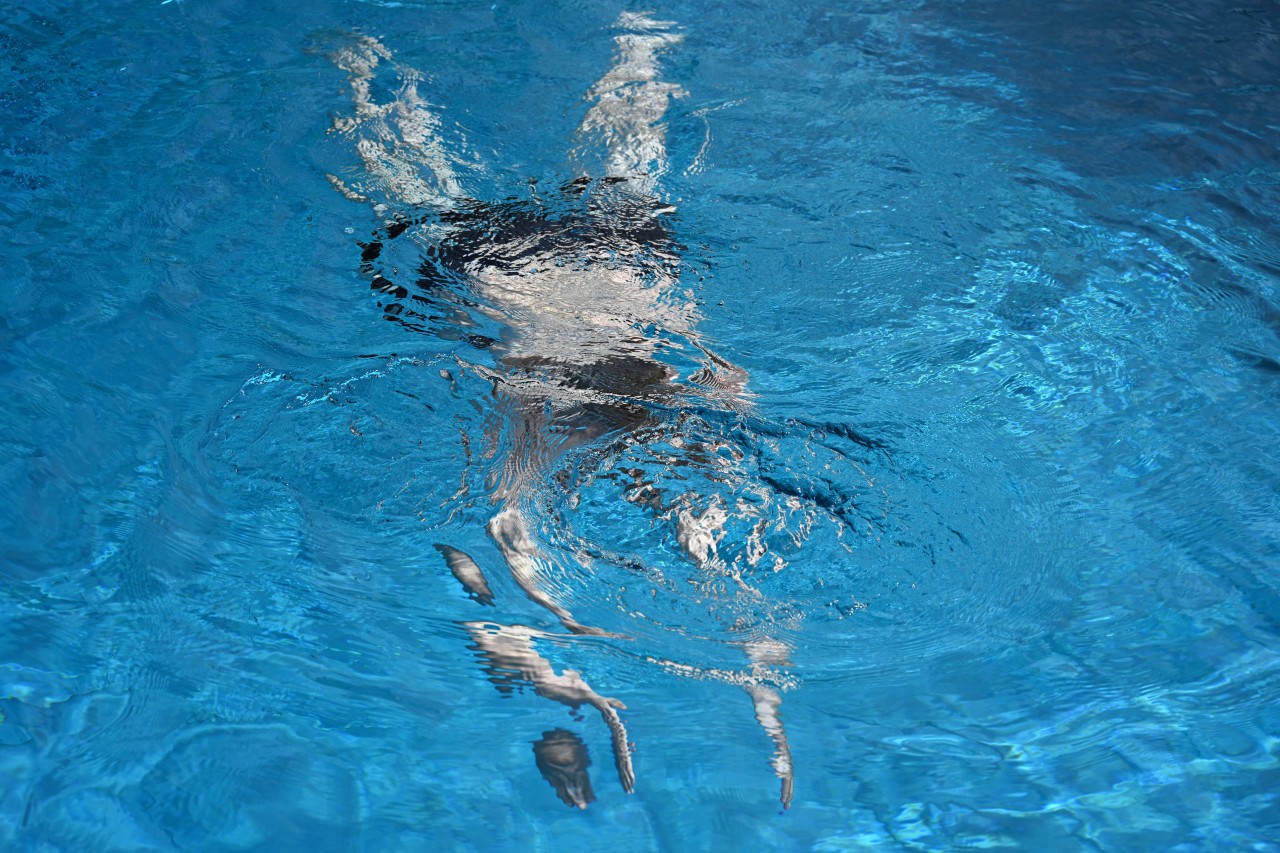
{"x": 1002, "y": 278}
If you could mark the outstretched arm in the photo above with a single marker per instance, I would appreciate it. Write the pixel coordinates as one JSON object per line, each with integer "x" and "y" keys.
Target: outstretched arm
{"x": 621, "y": 746}
{"x": 510, "y": 655}
{"x": 766, "y": 654}
{"x": 767, "y": 701}
{"x": 510, "y": 533}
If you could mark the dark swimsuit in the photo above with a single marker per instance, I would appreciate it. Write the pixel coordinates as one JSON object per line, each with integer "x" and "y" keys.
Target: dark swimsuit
{"x": 584, "y": 223}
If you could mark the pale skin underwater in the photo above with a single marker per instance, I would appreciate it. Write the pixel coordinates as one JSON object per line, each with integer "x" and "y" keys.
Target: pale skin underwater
{"x": 578, "y": 355}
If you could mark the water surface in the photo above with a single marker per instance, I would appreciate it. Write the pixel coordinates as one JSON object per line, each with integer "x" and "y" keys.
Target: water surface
{"x": 1002, "y": 283}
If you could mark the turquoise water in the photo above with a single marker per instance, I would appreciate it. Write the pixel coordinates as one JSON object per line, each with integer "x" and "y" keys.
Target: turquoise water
{"x": 954, "y": 327}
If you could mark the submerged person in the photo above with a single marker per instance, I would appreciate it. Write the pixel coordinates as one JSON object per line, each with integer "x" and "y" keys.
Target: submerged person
{"x": 584, "y": 287}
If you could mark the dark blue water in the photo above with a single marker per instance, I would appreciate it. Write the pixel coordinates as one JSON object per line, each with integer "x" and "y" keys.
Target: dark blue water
{"x": 915, "y": 444}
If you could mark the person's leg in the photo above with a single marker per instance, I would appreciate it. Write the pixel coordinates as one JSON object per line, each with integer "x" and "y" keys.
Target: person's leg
{"x": 628, "y": 106}
{"x": 399, "y": 141}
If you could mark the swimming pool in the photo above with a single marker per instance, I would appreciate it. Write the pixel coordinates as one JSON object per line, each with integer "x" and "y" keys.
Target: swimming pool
{"x": 931, "y": 466}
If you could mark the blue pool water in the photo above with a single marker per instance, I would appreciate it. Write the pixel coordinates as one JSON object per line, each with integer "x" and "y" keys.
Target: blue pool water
{"x": 933, "y": 462}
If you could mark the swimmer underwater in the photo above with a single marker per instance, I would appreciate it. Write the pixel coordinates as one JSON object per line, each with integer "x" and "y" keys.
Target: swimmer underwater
{"x": 583, "y": 285}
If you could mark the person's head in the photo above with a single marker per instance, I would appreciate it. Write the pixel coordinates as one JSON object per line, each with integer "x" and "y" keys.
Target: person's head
{"x": 563, "y": 761}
